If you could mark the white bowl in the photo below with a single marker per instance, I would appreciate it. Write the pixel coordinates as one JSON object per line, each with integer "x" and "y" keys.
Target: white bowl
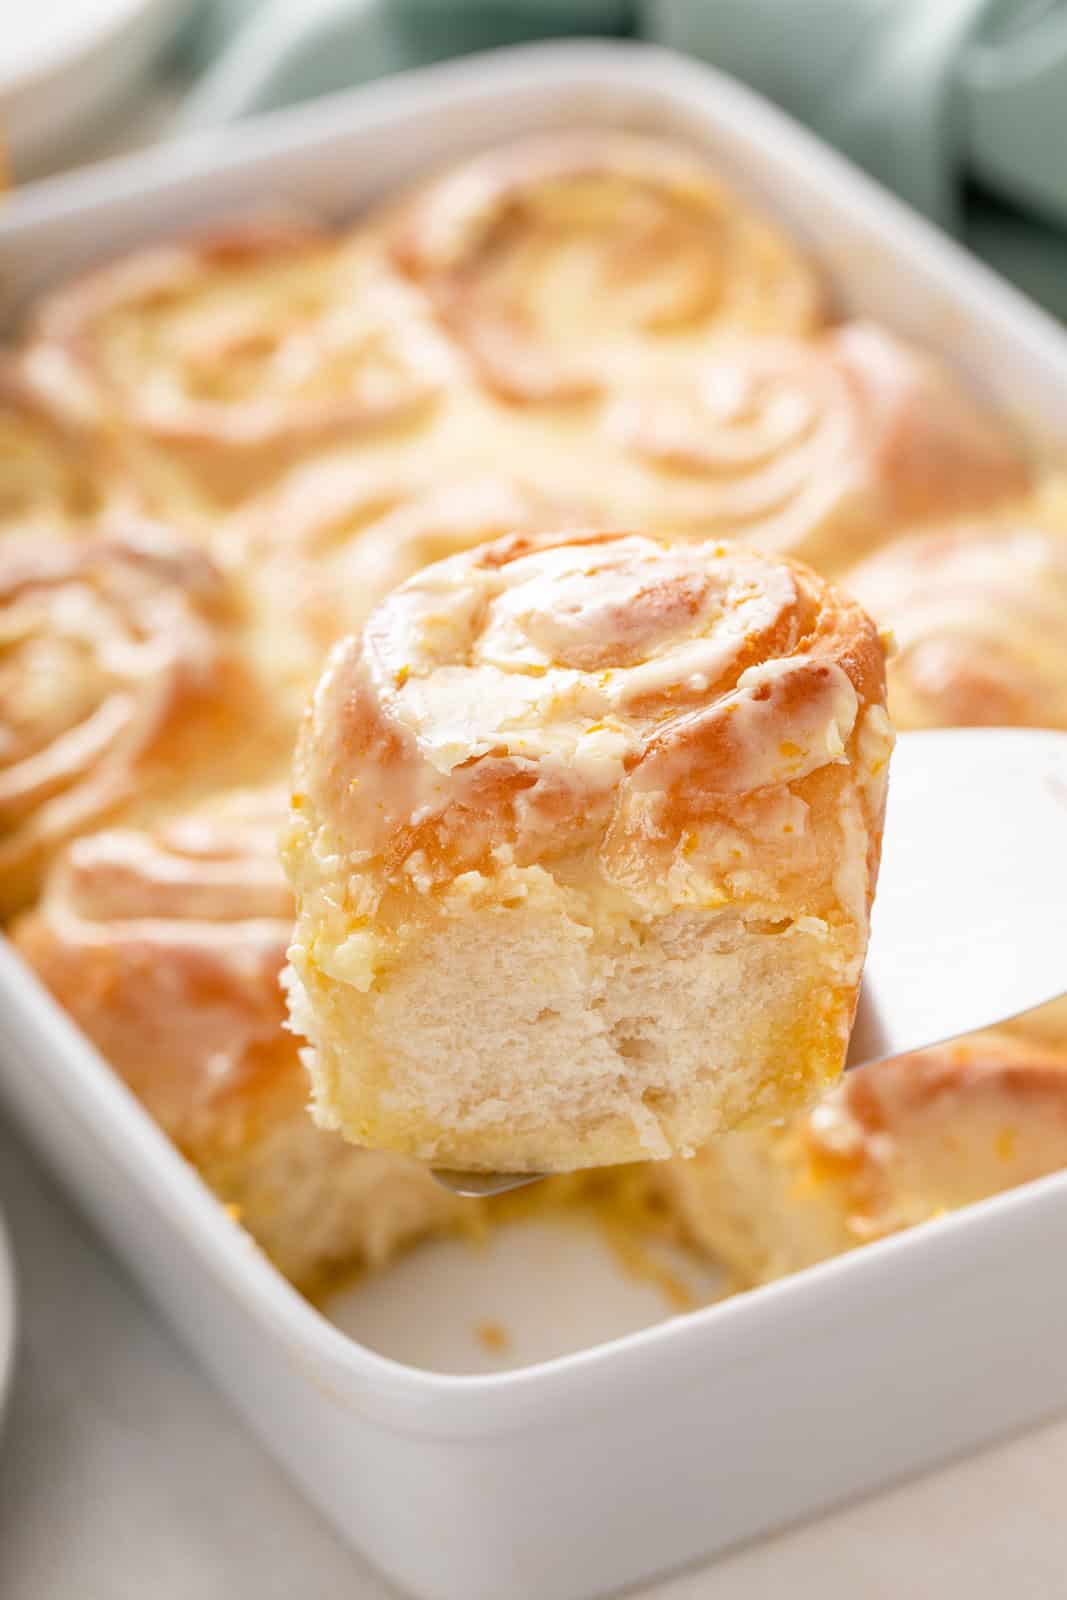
{"x": 65, "y": 62}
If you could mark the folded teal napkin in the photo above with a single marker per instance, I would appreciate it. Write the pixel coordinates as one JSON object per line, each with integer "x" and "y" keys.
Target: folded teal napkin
{"x": 958, "y": 105}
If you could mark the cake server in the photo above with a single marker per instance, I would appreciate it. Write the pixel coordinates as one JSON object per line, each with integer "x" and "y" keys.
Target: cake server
{"x": 969, "y": 925}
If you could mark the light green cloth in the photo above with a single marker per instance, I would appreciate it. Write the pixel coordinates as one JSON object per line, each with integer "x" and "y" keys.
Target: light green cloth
{"x": 958, "y": 105}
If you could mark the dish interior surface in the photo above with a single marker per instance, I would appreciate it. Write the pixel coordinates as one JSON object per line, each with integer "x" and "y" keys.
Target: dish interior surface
{"x": 532, "y": 1292}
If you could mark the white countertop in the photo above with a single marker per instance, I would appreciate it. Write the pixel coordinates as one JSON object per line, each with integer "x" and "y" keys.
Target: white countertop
{"x": 124, "y": 1476}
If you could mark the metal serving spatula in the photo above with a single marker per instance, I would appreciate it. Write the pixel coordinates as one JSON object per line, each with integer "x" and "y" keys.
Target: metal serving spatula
{"x": 970, "y": 923}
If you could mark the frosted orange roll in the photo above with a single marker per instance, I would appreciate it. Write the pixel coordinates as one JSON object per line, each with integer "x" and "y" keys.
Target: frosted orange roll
{"x": 561, "y": 263}
{"x": 894, "y": 1144}
{"x": 584, "y": 836}
{"x": 123, "y": 687}
{"x": 166, "y": 946}
{"x": 221, "y": 360}
{"x": 819, "y": 448}
{"x": 979, "y": 614}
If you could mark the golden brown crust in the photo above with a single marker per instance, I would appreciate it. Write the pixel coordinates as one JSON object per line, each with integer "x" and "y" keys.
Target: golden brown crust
{"x": 166, "y": 947}
{"x": 593, "y": 685}
{"x": 908, "y": 1138}
{"x": 121, "y": 675}
{"x": 894, "y": 1144}
{"x": 816, "y": 447}
{"x": 237, "y": 351}
{"x": 979, "y": 615}
{"x": 624, "y": 240}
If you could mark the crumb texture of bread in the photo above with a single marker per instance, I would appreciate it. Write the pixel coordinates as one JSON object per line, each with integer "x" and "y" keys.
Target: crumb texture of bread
{"x": 896, "y": 1143}
{"x": 584, "y": 836}
{"x": 166, "y": 946}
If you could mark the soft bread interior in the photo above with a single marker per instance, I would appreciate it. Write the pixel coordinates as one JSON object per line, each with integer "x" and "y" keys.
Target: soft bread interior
{"x": 583, "y": 1042}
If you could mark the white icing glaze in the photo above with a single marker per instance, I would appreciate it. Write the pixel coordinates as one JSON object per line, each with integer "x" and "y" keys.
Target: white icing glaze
{"x": 551, "y": 656}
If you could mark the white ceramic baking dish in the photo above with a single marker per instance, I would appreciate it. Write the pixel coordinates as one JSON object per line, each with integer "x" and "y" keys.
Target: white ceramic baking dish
{"x": 574, "y": 1476}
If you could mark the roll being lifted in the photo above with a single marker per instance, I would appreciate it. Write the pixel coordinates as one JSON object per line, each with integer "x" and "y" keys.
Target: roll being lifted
{"x": 584, "y": 838}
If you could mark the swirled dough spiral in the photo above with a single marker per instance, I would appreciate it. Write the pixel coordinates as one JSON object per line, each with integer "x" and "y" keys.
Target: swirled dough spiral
{"x": 584, "y": 837}
{"x": 336, "y": 535}
{"x": 559, "y": 264}
{"x": 229, "y": 356}
{"x": 818, "y": 448}
{"x": 122, "y": 679}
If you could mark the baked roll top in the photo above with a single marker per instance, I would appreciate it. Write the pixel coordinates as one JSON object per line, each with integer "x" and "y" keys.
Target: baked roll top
{"x": 234, "y": 353}
{"x": 559, "y": 263}
{"x": 894, "y": 1144}
{"x": 166, "y": 945}
{"x": 979, "y": 615}
{"x": 820, "y": 448}
{"x": 594, "y": 798}
{"x": 120, "y": 666}
{"x": 51, "y": 481}
{"x": 323, "y": 547}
